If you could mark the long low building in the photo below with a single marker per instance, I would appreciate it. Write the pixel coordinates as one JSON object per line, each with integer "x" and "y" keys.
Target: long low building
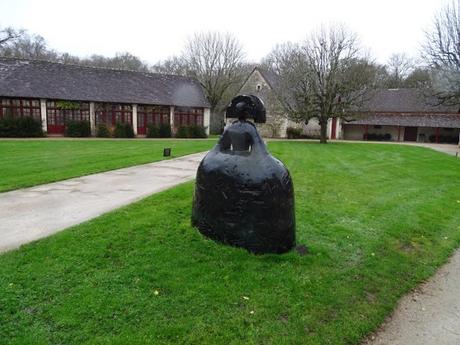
{"x": 400, "y": 115}
{"x": 56, "y": 93}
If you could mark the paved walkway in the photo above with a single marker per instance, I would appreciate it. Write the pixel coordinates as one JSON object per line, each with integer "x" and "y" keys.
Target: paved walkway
{"x": 450, "y": 149}
{"x": 32, "y": 213}
{"x": 430, "y": 315}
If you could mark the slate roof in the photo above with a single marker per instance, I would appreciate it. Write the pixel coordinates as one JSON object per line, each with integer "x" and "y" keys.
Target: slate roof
{"x": 418, "y": 120}
{"x": 405, "y": 107}
{"x": 51, "y": 80}
{"x": 272, "y": 78}
{"x": 404, "y": 101}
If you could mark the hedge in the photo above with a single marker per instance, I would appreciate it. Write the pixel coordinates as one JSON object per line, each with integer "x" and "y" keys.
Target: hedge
{"x": 182, "y": 132}
{"x": 153, "y": 131}
{"x": 162, "y": 131}
{"x": 78, "y": 129}
{"x": 294, "y": 133}
{"x": 102, "y": 131}
{"x": 193, "y": 131}
{"x": 165, "y": 130}
{"x": 20, "y": 127}
{"x": 123, "y": 130}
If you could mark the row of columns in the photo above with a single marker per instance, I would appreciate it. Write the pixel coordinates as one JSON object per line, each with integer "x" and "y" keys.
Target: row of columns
{"x": 92, "y": 117}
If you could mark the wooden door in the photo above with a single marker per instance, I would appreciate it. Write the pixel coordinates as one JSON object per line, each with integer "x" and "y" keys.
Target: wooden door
{"x": 410, "y": 134}
{"x": 333, "y": 128}
{"x": 142, "y": 124}
{"x": 56, "y": 122}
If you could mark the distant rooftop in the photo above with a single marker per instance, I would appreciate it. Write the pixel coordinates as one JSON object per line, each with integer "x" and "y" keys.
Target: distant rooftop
{"x": 51, "y": 80}
{"x": 427, "y": 120}
{"x": 404, "y": 101}
{"x": 406, "y": 107}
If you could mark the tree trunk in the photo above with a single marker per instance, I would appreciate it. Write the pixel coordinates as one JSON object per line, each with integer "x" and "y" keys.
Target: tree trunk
{"x": 323, "y": 132}
{"x": 216, "y": 122}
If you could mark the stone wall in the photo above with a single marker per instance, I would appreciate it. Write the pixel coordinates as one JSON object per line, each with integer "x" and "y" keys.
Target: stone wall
{"x": 276, "y": 119}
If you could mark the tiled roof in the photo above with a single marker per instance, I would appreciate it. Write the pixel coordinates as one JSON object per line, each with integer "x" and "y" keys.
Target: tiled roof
{"x": 50, "y": 80}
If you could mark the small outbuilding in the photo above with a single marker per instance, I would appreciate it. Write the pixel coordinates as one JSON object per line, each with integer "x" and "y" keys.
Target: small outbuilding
{"x": 56, "y": 93}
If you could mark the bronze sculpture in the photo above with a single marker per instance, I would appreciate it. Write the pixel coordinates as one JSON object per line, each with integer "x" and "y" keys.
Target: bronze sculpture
{"x": 243, "y": 195}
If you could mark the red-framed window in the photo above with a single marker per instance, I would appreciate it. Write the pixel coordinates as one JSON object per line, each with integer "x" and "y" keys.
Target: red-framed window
{"x": 57, "y": 116}
{"x": 147, "y": 114}
{"x": 186, "y": 116}
{"x": 112, "y": 113}
{"x": 20, "y": 107}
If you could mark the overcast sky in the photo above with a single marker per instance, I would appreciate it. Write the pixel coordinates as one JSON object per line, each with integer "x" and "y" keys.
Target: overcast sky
{"x": 155, "y": 30}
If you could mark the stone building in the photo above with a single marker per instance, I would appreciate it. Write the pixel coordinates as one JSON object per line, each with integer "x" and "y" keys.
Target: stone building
{"x": 265, "y": 85}
{"x": 56, "y": 93}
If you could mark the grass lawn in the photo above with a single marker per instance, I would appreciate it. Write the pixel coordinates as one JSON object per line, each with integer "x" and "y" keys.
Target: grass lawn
{"x": 26, "y": 163}
{"x": 377, "y": 220}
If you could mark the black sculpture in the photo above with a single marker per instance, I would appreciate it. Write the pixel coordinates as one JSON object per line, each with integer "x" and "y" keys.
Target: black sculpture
{"x": 243, "y": 195}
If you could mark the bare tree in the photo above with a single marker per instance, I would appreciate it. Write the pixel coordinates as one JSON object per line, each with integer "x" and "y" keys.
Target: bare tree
{"x": 418, "y": 78}
{"x": 69, "y": 59}
{"x": 27, "y": 46}
{"x": 280, "y": 59}
{"x": 123, "y": 61}
{"x": 216, "y": 60}
{"x": 399, "y": 66}
{"x": 173, "y": 65}
{"x": 324, "y": 77}
{"x": 20, "y": 44}
{"x": 128, "y": 61}
{"x": 442, "y": 52}
{"x": 8, "y": 35}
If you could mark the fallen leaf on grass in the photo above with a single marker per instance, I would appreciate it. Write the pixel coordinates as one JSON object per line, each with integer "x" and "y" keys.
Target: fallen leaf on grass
{"x": 302, "y": 250}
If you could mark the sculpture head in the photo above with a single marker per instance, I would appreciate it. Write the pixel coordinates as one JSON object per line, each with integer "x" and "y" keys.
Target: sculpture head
{"x": 244, "y": 107}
